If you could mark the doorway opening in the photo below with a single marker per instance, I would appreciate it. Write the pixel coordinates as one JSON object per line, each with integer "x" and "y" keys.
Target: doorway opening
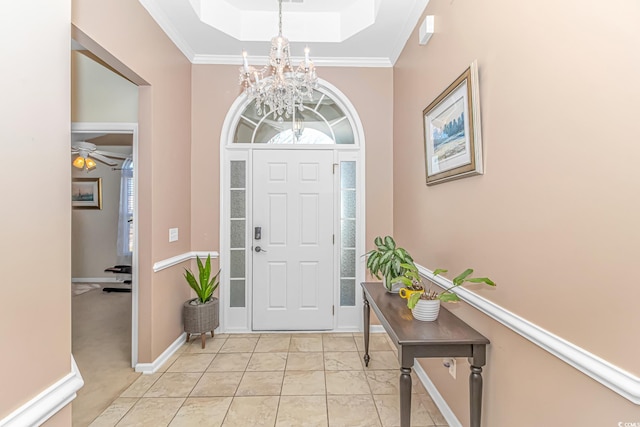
{"x": 104, "y": 324}
{"x": 292, "y": 210}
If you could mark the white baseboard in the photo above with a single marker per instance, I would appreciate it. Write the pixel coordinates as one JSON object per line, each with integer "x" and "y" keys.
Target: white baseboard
{"x": 376, "y": 329}
{"x": 94, "y": 280}
{"x": 620, "y": 381}
{"x": 48, "y": 403}
{"x": 437, "y": 398}
{"x": 150, "y": 368}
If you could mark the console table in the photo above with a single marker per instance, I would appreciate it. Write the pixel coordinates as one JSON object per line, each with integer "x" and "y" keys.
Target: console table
{"x": 448, "y": 336}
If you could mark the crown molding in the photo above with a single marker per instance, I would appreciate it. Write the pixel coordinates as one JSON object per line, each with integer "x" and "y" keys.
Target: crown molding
{"x": 405, "y": 32}
{"x": 372, "y": 62}
{"x": 164, "y": 22}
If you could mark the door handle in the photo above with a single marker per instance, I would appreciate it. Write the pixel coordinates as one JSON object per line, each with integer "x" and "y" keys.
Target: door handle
{"x": 259, "y": 249}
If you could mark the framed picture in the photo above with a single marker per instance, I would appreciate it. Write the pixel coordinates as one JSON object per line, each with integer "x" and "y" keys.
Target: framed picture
{"x": 452, "y": 137}
{"x": 86, "y": 193}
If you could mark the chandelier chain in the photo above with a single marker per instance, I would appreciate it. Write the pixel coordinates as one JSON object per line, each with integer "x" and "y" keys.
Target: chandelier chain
{"x": 278, "y": 88}
{"x": 280, "y": 17}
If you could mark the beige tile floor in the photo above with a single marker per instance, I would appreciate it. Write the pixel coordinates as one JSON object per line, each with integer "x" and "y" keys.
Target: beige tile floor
{"x": 296, "y": 380}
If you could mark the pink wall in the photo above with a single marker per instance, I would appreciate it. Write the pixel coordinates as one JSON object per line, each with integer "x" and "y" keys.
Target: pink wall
{"x": 554, "y": 219}
{"x": 213, "y": 91}
{"x": 35, "y": 294}
{"x": 139, "y": 48}
{"x": 370, "y": 90}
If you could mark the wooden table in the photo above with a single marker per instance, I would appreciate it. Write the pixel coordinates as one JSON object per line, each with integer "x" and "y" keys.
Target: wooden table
{"x": 448, "y": 336}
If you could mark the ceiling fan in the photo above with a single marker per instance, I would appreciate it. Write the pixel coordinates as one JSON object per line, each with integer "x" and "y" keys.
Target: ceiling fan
{"x": 88, "y": 151}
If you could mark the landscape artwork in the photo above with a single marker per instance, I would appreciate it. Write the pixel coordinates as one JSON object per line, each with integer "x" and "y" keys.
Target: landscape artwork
{"x": 452, "y": 138}
{"x": 86, "y": 193}
{"x": 448, "y": 133}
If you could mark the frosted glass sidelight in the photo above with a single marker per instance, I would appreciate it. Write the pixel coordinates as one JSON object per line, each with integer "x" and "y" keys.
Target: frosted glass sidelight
{"x": 237, "y": 204}
{"x": 237, "y": 233}
{"x": 348, "y": 263}
{"x": 348, "y": 175}
{"x": 237, "y": 293}
{"x": 348, "y": 233}
{"x": 347, "y": 292}
{"x": 238, "y": 174}
{"x": 237, "y": 264}
{"x": 348, "y": 204}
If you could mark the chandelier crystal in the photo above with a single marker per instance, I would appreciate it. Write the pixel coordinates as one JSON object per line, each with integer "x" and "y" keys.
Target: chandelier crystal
{"x": 278, "y": 87}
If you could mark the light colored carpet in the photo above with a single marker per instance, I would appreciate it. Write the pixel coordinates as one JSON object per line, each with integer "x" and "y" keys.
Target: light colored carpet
{"x": 101, "y": 346}
{"x": 81, "y": 288}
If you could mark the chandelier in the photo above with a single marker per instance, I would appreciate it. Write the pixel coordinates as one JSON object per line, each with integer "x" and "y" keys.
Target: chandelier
{"x": 277, "y": 87}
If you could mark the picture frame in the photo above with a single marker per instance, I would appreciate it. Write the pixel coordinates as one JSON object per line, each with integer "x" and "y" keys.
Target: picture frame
{"x": 452, "y": 134}
{"x": 86, "y": 193}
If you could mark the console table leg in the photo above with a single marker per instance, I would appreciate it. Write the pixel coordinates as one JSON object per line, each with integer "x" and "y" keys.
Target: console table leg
{"x": 475, "y": 389}
{"x": 367, "y": 320}
{"x": 405, "y": 397}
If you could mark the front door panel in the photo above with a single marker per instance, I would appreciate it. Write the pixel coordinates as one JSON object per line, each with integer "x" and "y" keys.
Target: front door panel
{"x": 293, "y": 259}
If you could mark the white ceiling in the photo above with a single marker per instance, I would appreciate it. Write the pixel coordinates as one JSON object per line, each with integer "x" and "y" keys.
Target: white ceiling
{"x": 368, "y": 33}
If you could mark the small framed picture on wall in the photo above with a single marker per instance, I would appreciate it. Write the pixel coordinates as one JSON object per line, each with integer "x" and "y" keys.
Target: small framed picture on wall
{"x": 86, "y": 193}
{"x": 452, "y": 137}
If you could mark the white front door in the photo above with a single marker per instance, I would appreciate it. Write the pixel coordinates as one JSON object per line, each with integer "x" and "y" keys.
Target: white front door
{"x": 293, "y": 258}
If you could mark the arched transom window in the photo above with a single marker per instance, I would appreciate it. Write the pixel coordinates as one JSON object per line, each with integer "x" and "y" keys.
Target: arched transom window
{"x": 320, "y": 121}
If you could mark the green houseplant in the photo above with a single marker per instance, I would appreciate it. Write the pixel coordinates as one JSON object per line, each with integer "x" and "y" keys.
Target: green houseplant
{"x": 427, "y": 303}
{"x": 201, "y": 315}
{"x": 387, "y": 261}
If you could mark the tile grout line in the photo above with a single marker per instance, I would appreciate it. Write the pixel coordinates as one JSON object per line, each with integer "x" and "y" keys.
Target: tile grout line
{"x": 186, "y": 353}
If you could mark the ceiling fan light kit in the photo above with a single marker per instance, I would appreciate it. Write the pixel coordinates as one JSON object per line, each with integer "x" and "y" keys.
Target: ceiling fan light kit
{"x": 88, "y": 151}
{"x": 84, "y": 163}
{"x": 279, "y": 87}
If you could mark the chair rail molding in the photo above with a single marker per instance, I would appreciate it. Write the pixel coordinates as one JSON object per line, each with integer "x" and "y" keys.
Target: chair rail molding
{"x": 169, "y": 262}
{"x": 48, "y": 403}
{"x": 618, "y": 380}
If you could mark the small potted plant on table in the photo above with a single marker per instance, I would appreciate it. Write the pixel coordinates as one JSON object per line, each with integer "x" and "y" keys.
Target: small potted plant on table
{"x": 425, "y": 305}
{"x": 201, "y": 315}
{"x": 386, "y": 262}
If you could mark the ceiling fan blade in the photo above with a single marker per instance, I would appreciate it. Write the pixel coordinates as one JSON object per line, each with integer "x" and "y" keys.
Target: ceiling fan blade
{"x": 112, "y": 154}
{"x": 103, "y": 159}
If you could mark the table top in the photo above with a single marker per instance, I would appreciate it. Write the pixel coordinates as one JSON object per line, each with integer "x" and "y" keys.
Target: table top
{"x": 395, "y": 316}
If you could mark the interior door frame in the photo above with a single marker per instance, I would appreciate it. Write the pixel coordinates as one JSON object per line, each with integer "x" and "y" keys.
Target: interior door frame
{"x": 130, "y": 129}
{"x": 240, "y": 319}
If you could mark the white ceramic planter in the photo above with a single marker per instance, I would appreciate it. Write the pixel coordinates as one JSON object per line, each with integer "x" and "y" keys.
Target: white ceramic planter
{"x": 426, "y": 310}
{"x": 395, "y": 287}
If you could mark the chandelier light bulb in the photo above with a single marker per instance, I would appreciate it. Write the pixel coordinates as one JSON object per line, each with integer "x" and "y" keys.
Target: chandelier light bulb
{"x": 245, "y": 61}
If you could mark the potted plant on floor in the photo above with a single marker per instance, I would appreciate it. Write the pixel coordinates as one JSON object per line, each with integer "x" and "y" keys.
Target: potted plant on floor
{"x": 386, "y": 262}
{"x": 426, "y": 305}
{"x": 201, "y": 315}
